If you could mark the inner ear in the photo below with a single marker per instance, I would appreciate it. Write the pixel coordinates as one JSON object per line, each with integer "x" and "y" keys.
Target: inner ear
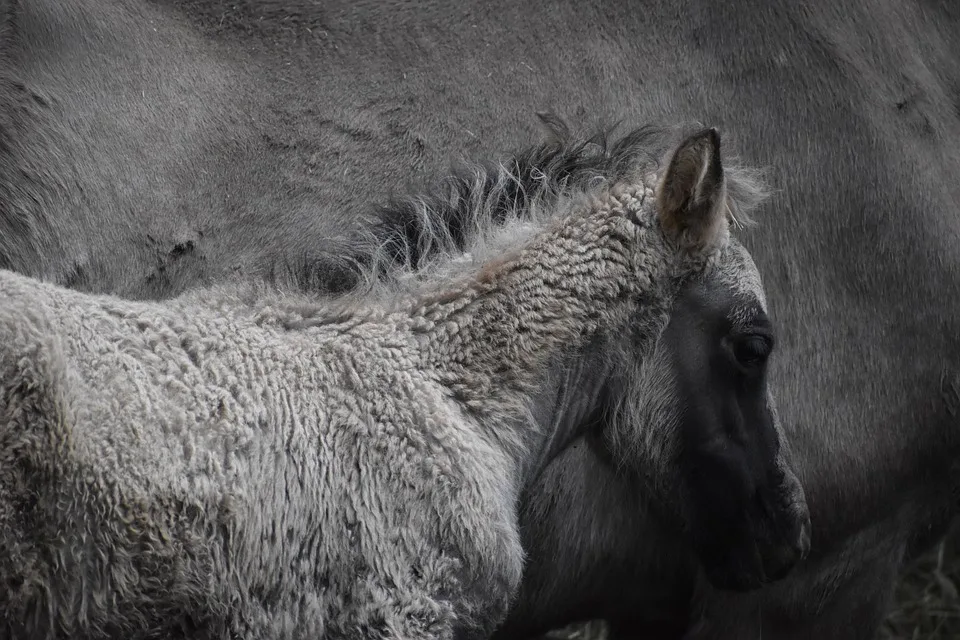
{"x": 692, "y": 190}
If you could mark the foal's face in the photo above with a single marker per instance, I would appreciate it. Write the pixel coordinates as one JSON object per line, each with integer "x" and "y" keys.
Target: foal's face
{"x": 742, "y": 504}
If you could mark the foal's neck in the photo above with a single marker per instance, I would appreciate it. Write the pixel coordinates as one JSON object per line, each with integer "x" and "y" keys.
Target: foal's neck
{"x": 490, "y": 342}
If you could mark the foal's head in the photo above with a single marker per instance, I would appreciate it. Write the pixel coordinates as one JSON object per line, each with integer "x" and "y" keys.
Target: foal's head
{"x": 686, "y": 408}
{"x": 699, "y": 406}
{"x": 691, "y": 411}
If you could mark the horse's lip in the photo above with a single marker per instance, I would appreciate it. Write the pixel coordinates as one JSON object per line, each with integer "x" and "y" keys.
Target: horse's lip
{"x": 789, "y": 556}
{"x": 740, "y": 583}
{"x": 804, "y": 543}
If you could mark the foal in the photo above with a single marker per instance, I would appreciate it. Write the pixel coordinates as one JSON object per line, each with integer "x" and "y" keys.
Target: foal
{"x": 216, "y": 466}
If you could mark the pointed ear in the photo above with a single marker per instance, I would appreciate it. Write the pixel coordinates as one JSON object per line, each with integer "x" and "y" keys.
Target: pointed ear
{"x": 690, "y": 196}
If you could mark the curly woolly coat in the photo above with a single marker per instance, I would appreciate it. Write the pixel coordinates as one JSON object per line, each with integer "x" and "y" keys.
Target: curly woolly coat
{"x": 212, "y": 467}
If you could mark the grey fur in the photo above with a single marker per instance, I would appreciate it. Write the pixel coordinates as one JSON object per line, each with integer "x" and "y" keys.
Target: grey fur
{"x": 253, "y": 464}
{"x": 147, "y": 147}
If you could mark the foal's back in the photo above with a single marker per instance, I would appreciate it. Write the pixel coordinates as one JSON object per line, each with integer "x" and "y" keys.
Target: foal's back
{"x": 248, "y": 463}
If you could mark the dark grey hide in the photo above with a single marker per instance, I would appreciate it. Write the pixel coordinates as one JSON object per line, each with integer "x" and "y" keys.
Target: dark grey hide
{"x": 148, "y": 145}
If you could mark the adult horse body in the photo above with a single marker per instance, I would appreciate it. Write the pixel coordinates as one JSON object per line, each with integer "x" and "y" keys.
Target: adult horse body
{"x": 147, "y": 145}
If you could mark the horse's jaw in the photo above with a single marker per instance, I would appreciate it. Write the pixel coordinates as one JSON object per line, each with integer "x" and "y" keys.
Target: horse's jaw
{"x": 569, "y": 404}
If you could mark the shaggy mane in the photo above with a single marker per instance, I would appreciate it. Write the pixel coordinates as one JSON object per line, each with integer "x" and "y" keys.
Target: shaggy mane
{"x": 483, "y": 209}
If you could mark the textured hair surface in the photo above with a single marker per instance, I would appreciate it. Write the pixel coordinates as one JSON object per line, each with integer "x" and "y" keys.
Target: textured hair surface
{"x": 480, "y": 208}
{"x": 386, "y": 444}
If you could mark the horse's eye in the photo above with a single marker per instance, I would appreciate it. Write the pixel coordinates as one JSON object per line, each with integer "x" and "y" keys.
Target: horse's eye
{"x": 751, "y": 351}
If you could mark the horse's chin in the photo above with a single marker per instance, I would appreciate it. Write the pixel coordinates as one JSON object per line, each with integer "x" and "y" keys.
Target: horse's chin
{"x": 740, "y": 571}
{"x": 752, "y": 565}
